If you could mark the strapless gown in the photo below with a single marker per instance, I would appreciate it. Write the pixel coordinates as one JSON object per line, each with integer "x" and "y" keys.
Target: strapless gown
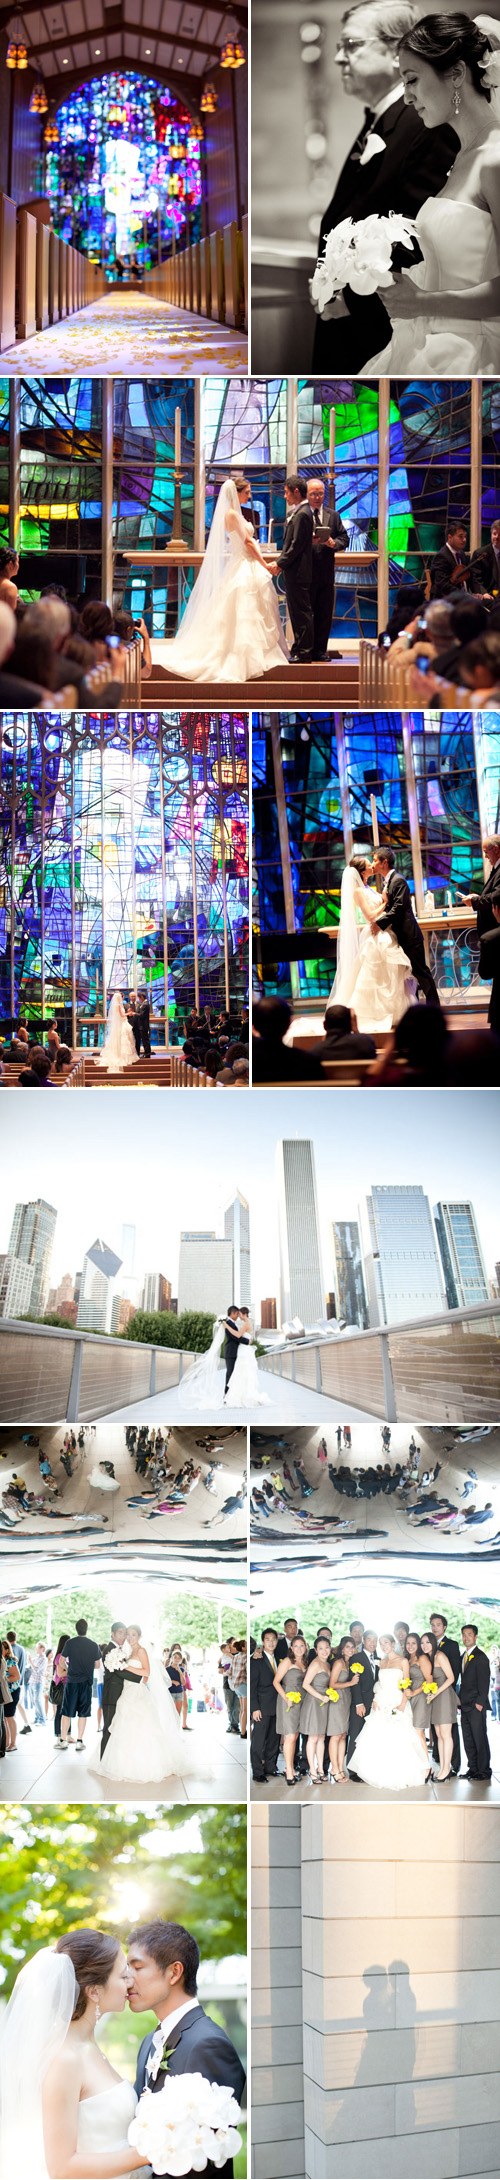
{"x": 104, "y": 2121}
{"x": 459, "y": 251}
{"x": 388, "y": 1751}
{"x": 241, "y": 640}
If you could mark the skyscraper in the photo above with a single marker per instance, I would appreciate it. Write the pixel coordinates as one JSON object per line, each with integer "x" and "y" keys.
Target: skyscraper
{"x": 32, "y": 1241}
{"x": 205, "y": 1273}
{"x": 461, "y": 1255}
{"x": 128, "y": 1251}
{"x": 100, "y": 1266}
{"x": 401, "y": 1260}
{"x": 237, "y": 1230}
{"x": 268, "y": 1316}
{"x": 156, "y": 1292}
{"x": 16, "y": 1281}
{"x": 302, "y": 1288}
{"x": 350, "y": 1295}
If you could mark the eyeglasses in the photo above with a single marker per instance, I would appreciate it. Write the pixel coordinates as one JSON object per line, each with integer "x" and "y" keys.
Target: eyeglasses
{"x": 353, "y": 45}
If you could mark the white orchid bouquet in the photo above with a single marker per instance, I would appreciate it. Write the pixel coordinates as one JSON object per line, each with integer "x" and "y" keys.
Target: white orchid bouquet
{"x": 364, "y": 255}
{"x": 117, "y": 1658}
{"x": 186, "y": 2124}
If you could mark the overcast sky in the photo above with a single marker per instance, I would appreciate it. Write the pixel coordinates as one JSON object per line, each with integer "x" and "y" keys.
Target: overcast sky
{"x": 167, "y": 1161}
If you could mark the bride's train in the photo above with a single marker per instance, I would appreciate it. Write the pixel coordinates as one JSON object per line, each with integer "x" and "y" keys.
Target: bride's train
{"x": 388, "y": 1752}
{"x": 146, "y": 1742}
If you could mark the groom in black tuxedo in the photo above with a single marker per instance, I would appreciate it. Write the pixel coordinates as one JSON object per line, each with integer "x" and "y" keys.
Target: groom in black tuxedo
{"x": 394, "y": 165}
{"x": 487, "y": 907}
{"x": 140, "y": 1022}
{"x": 232, "y": 1341}
{"x": 295, "y": 559}
{"x": 164, "y": 1960}
{"x": 400, "y": 919}
{"x": 112, "y": 1683}
{"x": 362, "y": 1694}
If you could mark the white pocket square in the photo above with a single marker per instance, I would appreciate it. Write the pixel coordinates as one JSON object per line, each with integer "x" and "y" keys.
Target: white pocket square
{"x": 373, "y": 144}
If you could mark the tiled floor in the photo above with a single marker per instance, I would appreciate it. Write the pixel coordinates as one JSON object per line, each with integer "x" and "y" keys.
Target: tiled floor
{"x": 119, "y": 335}
{"x": 38, "y": 1770}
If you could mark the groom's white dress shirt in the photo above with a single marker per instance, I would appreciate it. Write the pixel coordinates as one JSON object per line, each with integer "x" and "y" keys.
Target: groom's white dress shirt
{"x": 163, "y": 2033}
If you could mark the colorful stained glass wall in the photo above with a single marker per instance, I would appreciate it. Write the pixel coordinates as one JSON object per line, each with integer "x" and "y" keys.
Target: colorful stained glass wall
{"x": 125, "y": 174}
{"x": 364, "y": 754}
{"x": 121, "y": 833}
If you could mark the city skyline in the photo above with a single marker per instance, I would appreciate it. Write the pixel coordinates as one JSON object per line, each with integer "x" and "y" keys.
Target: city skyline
{"x": 162, "y": 1188}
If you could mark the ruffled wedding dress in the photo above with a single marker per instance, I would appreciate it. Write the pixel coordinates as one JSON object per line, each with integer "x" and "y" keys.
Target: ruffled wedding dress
{"x": 231, "y": 628}
{"x": 146, "y": 1741}
{"x": 118, "y": 1050}
{"x": 104, "y": 2121}
{"x": 459, "y": 251}
{"x": 388, "y": 1751}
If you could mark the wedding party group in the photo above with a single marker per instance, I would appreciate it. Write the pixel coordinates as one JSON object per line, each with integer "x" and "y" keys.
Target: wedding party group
{"x": 81, "y": 2116}
{"x": 408, "y": 273}
{"x": 382, "y": 1710}
{"x": 141, "y": 1703}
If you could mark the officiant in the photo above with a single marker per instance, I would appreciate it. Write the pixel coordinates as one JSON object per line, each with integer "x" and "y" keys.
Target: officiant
{"x": 394, "y": 165}
{"x": 329, "y": 538}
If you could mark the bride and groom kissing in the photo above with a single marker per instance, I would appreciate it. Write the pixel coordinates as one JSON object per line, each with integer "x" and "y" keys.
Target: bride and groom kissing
{"x": 381, "y": 961}
{"x": 72, "y": 2115}
{"x": 429, "y": 149}
{"x": 237, "y": 1386}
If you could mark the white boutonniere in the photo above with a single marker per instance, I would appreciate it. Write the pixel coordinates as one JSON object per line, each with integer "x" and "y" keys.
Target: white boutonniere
{"x": 373, "y": 145}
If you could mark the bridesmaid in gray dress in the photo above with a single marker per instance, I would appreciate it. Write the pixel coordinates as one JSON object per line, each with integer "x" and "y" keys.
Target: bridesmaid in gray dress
{"x": 337, "y": 1719}
{"x": 444, "y": 1707}
{"x": 288, "y": 1681}
{"x": 417, "y": 1666}
{"x": 315, "y": 1709}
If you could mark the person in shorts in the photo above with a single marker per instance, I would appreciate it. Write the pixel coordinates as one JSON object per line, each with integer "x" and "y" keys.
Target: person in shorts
{"x": 82, "y": 1654}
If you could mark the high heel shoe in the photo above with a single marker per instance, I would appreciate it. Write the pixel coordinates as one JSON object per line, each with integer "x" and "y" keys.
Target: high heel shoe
{"x": 291, "y": 1782}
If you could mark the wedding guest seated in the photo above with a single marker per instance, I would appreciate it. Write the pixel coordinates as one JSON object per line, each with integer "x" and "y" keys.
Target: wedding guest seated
{"x": 37, "y": 1075}
{"x": 272, "y": 1060}
{"x": 468, "y": 619}
{"x": 343, "y": 1040}
{"x": 449, "y": 563}
{"x": 418, "y": 1050}
{"x": 410, "y": 599}
{"x": 16, "y": 689}
{"x": 225, "y": 1079}
{"x": 9, "y": 563}
{"x": 9, "y": 594}
{"x": 241, "y": 1073}
{"x": 63, "y": 1059}
{"x": 479, "y": 669}
{"x": 19, "y": 1042}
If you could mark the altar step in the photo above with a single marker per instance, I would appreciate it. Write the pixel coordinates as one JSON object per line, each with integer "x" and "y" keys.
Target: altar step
{"x": 154, "y": 1073}
{"x": 311, "y": 688}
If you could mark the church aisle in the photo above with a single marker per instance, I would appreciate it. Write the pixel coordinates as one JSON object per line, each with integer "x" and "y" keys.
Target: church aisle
{"x": 122, "y": 334}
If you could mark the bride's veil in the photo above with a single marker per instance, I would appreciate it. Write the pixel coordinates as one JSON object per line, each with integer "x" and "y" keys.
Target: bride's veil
{"x": 490, "y": 67}
{"x": 205, "y": 600}
{"x": 113, "y": 1019}
{"x": 33, "y": 2030}
{"x": 203, "y": 1385}
{"x": 348, "y": 939}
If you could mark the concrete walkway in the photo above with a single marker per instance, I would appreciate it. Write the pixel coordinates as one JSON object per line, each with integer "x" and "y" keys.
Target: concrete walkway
{"x": 281, "y": 1401}
{"x": 125, "y": 335}
{"x": 39, "y": 1770}
{"x": 455, "y": 1790}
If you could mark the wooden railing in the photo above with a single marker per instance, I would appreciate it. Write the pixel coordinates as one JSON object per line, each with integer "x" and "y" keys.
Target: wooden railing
{"x": 186, "y": 1077}
{"x": 209, "y": 278}
{"x": 130, "y": 675}
{"x": 385, "y": 682}
{"x": 42, "y": 278}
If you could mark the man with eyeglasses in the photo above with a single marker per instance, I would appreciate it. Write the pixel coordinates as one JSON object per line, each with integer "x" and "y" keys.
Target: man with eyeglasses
{"x": 394, "y": 165}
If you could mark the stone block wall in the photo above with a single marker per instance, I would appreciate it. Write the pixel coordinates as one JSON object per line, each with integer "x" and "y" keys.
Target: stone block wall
{"x": 396, "y": 1914}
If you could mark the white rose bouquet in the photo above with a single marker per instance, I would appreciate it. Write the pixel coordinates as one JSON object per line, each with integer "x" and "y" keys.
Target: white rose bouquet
{"x": 117, "y": 1659}
{"x": 185, "y": 2124}
{"x": 364, "y": 255}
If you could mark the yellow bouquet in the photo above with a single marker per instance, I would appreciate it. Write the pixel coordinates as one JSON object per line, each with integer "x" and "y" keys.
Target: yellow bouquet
{"x": 357, "y": 1668}
{"x": 333, "y": 1693}
{"x": 294, "y": 1696}
{"x": 405, "y": 1684}
{"x": 429, "y": 1687}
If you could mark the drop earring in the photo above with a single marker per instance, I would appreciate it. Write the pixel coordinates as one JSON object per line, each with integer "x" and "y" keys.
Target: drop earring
{"x": 456, "y": 100}
{"x": 97, "y": 2012}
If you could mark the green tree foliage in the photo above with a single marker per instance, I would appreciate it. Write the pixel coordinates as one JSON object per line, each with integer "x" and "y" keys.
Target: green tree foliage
{"x": 53, "y": 1318}
{"x": 67, "y": 1866}
{"x": 192, "y": 1331}
{"x": 416, "y": 1606}
{"x": 30, "y": 1620}
{"x": 194, "y": 1621}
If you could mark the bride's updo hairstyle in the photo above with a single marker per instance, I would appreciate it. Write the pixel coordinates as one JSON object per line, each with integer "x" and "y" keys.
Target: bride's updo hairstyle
{"x": 358, "y": 863}
{"x": 442, "y": 40}
{"x": 93, "y": 1955}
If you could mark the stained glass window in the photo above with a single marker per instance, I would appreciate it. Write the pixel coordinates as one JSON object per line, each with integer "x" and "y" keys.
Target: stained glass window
{"x": 125, "y": 174}
{"x": 124, "y": 850}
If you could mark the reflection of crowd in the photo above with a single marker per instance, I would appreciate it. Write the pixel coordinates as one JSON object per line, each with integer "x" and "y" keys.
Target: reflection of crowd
{"x": 411, "y": 1485}
{"x": 312, "y": 1701}
{"x": 167, "y": 1489}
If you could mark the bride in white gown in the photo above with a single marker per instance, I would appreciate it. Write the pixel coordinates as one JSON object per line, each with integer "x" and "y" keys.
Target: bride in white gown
{"x": 231, "y": 628}
{"x": 388, "y": 1751}
{"x": 146, "y": 1741}
{"x": 204, "y": 1387}
{"x": 373, "y": 972}
{"x": 446, "y": 310}
{"x": 62, "y": 2106}
{"x": 118, "y": 1050}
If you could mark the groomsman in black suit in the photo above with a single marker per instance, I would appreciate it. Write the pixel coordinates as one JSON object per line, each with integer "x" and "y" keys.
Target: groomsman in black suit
{"x": 474, "y": 1699}
{"x": 485, "y": 565}
{"x": 265, "y": 1740}
{"x": 362, "y": 1695}
{"x": 295, "y": 559}
{"x": 451, "y": 1650}
{"x": 449, "y": 570}
{"x": 290, "y": 1629}
{"x": 329, "y": 538}
{"x": 394, "y": 165}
